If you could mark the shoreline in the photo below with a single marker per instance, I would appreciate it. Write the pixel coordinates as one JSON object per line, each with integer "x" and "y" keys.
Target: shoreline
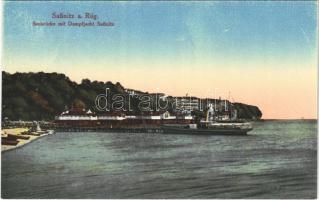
{"x": 22, "y": 142}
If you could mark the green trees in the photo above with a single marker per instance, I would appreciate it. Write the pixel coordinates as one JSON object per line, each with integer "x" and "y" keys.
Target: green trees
{"x": 77, "y": 103}
{"x": 247, "y": 111}
{"x": 24, "y": 96}
{"x": 41, "y": 96}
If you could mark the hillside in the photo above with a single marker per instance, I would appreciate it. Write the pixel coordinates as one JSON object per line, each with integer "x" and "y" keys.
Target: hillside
{"x": 41, "y": 96}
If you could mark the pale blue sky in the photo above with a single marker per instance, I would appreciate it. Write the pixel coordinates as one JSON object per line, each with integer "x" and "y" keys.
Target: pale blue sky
{"x": 163, "y": 31}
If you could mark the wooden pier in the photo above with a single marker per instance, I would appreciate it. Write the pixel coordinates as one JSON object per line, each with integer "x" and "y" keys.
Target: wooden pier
{"x": 108, "y": 130}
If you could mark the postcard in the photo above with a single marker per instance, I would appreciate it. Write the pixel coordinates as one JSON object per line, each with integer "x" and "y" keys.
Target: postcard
{"x": 159, "y": 99}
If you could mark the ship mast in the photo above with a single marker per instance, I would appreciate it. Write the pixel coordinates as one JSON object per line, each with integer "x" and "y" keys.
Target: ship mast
{"x": 225, "y": 104}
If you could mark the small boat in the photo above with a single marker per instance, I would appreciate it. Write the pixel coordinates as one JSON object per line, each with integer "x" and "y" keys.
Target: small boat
{"x": 50, "y": 132}
{"x": 31, "y": 133}
{"x": 18, "y": 137}
{"x": 6, "y": 141}
{"x": 38, "y": 131}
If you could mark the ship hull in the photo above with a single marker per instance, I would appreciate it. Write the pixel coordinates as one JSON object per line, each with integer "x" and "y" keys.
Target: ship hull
{"x": 171, "y": 130}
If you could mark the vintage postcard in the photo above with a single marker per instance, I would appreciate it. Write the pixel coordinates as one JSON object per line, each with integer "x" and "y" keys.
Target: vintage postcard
{"x": 159, "y": 99}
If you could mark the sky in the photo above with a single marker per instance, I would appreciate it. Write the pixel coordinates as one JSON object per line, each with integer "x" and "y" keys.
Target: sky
{"x": 262, "y": 53}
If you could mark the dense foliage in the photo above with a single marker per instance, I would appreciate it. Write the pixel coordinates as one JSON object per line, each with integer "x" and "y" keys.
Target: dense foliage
{"x": 41, "y": 96}
{"x": 36, "y": 96}
{"x": 247, "y": 111}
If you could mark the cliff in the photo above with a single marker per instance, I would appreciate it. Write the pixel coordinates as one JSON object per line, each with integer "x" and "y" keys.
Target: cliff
{"x": 247, "y": 111}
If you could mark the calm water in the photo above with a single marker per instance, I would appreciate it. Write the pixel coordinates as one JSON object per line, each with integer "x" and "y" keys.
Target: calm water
{"x": 277, "y": 160}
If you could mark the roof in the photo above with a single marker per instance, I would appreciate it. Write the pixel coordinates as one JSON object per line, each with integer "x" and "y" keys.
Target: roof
{"x": 78, "y": 111}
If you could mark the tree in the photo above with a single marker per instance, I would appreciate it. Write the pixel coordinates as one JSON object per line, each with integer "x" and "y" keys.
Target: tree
{"x": 77, "y": 103}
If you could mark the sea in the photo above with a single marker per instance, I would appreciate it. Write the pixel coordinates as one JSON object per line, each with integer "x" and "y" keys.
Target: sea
{"x": 278, "y": 160}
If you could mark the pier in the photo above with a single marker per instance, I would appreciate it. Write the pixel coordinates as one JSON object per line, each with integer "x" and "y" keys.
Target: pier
{"x": 109, "y": 130}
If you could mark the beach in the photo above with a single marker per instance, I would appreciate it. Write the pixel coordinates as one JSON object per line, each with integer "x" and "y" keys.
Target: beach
{"x": 22, "y": 142}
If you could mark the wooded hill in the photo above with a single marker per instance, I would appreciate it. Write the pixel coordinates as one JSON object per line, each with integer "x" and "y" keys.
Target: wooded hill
{"x": 41, "y": 96}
